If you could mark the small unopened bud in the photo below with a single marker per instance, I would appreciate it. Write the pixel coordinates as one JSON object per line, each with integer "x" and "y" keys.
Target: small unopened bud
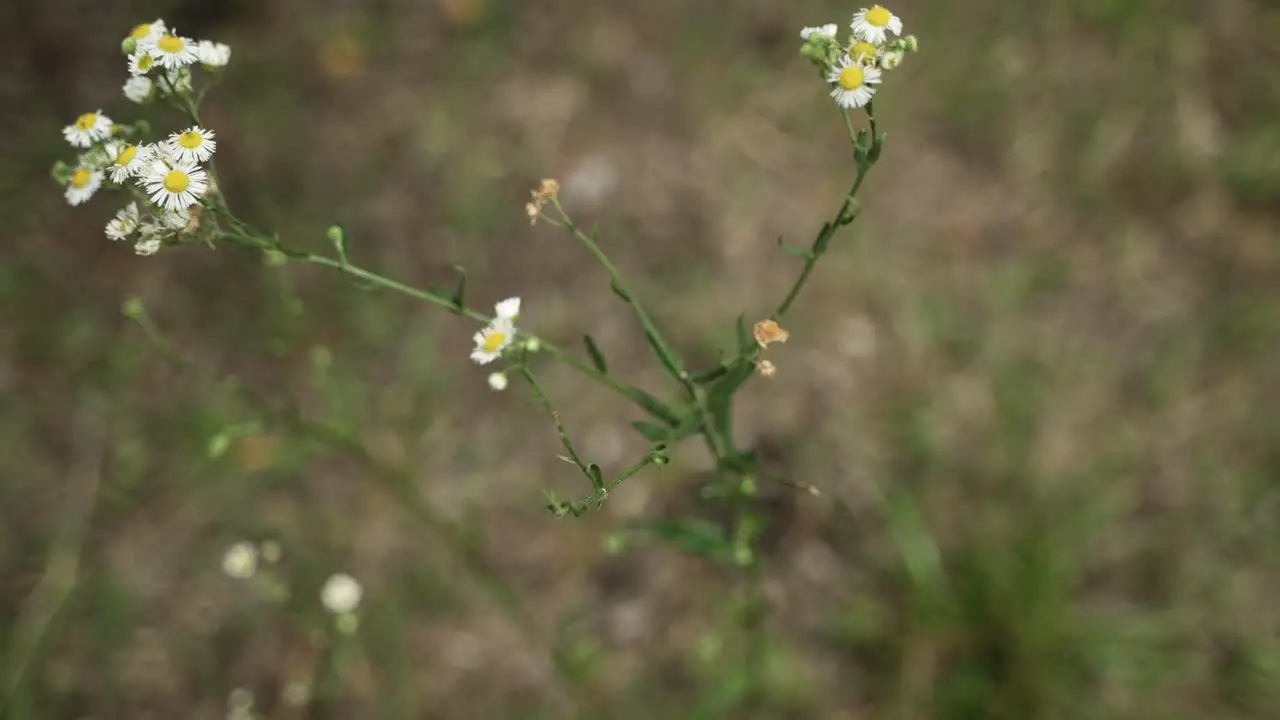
{"x": 531, "y": 211}
{"x": 766, "y": 368}
{"x": 498, "y": 381}
{"x": 910, "y": 44}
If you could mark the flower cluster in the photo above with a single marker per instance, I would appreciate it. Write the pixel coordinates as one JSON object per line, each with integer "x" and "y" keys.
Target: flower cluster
{"x": 166, "y": 180}
{"x": 854, "y": 68}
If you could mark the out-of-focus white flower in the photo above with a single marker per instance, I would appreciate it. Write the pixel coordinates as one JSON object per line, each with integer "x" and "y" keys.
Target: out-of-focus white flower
{"x": 491, "y": 341}
{"x": 498, "y": 381}
{"x": 124, "y": 224}
{"x": 174, "y": 184}
{"x": 138, "y": 89}
{"x": 853, "y": 83}
{"x": 88, "y": 129}
{"x": 126, "y": 161}
{"x": 829, "y": 30}
{"x": 195, "y": 144}
{"x": 170, "y": 51}
{"x": 873, "y": 24}
{"x": 147, "y": 32}
{"x": 212, "y": 54}
{"x": 241, "y": 559}
{"x": 341, "y": 594}
{"x": 508, "y": 309}
{"x": 83, "y": 184}
{"x": 148, "y": 245}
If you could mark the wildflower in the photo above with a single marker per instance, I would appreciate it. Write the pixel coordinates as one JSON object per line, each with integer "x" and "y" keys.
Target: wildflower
{"x": 148, "y": 245}
{"x": 241, "y": 560}
{"x": 491, "y": 341}
{"x": 508, "y": 309}
{"x": 827, "y": 31}
{"x": 498, "y": 381}
{"x": 124, "y": 223}
{"x": 126, "y": 160}
{"x": 766, "y": 368}
{"x": 212, "y": 54}
{"x": 874, "y": 23}
{"x": 341, "y": 594}
{"x": 88, "y": 129}
{"x": 769, "y": 331}
{"x": 138, "y": 89}
{"x": 170, "y": 51}
{"x": 84, "y": 182}
{"x": 852, "y": 83}
{"x": 195, "y": 144}
{"x": 547, "y": 189}
{"x": 174, "y": 184}
{"x": 147, "y": 32}
{"x": 140, "y": 63}
{"x": 890, "y": 59}
{"x": 863, "y": 52}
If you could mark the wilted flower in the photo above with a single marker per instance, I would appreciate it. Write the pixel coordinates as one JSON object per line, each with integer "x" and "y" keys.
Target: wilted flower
{"x": 769, "y": 331}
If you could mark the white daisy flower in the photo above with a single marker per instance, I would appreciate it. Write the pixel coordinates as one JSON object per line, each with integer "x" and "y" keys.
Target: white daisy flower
{"x": 147, "y": 32}
{"x": 498, "y": 381}
{"x": 174, "y": 220}
{"x": 140, "y": 63}
{"x": 171, "y": 51}
{"x": 194, "y": 144}
{"x": 212, "y": 54}
{"x": 138, "y": 89}
{"x": 88, "y": 129}
{"x": 126, "y": 160}
{"x": 341, "y": 594}
{"x": 872, "y": 24}
{"x": 491, "y": 341}
{"x": 84, "y": 182}
{"x": 174, "y": 184}
{"x": 508, "y": 309}
{"x": 864, "y": 52}
{"x": 148, "y": 245}
{"x": 853, "y": 83}
{"x": 829, "y": 30}
{"x": 124, "y": 223}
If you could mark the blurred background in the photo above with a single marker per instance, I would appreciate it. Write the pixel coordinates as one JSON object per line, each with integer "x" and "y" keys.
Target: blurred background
{"x": 1036, "y": 381}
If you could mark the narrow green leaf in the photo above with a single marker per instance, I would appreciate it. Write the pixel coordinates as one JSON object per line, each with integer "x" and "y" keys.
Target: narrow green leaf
{"x": 702, "y": 377}
{"x": 596, "y": 476}
{"x": 459, "y": 293}
{"x": 597, "y": 357}
{"x": 746, "y": 341}
{"x": 656, "y": 407}
{"x": 692, "y": 424}
{"x": 617, "y": 290}
{"x": 797, "y": 251}
{"x": 697, "y": 537}
{"x": 720, "y": 397}
{"x": 669, "y": 363}
{"x": 652, "y": 431}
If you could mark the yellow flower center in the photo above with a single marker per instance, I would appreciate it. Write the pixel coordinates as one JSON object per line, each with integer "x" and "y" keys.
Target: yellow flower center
{"x": 878, "y": 16}
{"x": 191, "y": 139}
{"x": 493, "y": 341}
{"x": 861, "y": 50}
{"x": 145, "y": 63}
{"x": 851, "y": 78}
{"x": 176, "y": 181}
{"x": 86, "y": 121}
{"x": 81, "y": 177}
{"x": 141, "y": 31}
{"x": 127, "y": 155}
{"x": 171, "y": 44}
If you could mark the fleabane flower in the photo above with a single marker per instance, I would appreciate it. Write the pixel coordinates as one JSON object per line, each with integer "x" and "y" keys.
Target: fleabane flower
{"x": 146, "y": 32}
{"x": 174, "y": 184}
{"x": 84, "y": 182}
{"x": 126, "y": 160}
{"x": 829, "y": 30}
{"x": 890, "y": 60}
{"x": 171, "y": 51}
{"x": 124, "y": 224}
{"x": 491, "y": 341}
{"x": 212, "y": 54}
{"x": 864, "y": 53}
{"x": 874, "y": 23}
{"x": 138, "y": 89}
{"x": 140, "y": 63}
{"x": 194, "y": 144}
{"x": 508, "y": 309}
{"x": 853, "y": 83}
{"x": 88, "y": 129}
{"x": 341, "y": 594}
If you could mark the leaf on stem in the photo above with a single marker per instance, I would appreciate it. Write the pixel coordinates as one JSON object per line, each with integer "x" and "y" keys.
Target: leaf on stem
{"x": 652, "y": 431}
{"x": 597, "y": 357}
{"x": 656, "y": 407}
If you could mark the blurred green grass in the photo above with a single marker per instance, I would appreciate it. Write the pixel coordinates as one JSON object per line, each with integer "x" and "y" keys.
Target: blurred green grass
{"x": 1049, "y": 474}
